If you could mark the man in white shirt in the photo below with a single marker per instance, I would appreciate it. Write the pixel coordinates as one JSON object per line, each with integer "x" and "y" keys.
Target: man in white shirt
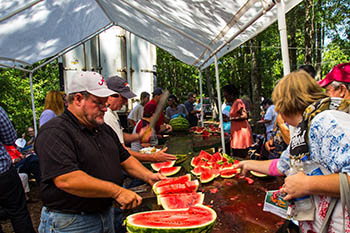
{"x": 136, "y": 113}
{"x": 116, "y": 102}
{"x": 269, "y": 117}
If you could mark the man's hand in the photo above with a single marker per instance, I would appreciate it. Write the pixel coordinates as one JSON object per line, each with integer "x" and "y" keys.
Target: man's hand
{"x": 269, "y": 145}
{"x": 143, "y": 131}
{"x": 166, "y": 128}
{"x": 127, "y": 199}
{"x": 244, "y": 166}
{"x": 161, "y": 156}
{"x": 296, "y": 186}
{"x": 154, "y": 177}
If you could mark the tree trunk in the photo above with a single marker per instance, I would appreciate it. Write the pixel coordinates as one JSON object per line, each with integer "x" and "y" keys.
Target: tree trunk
{"x": 255, "y": 83}
{"x": 212, "y": 98}
{"x": 309, "y": 31}
{"x": 319, "y": 38}
{"x": 292, "y": 42}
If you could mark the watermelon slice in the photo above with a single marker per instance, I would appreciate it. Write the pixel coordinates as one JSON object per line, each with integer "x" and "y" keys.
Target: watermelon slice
{"x": 228, "y": 173}
{"x": 258, "y": 174}
{"x": 158, "y": 166}
{"x": 204, "y": 155}
{"x": 197, "y": 171}
{"x": 173, "y": 180}
{"x": 188, "y": 187}
{"x": 207, "y": 176}
{"x": 180, "y": 200}
{"x": 194, "y": 219}
{"x": 195, "y": 161}
{"x": 169, "y": 171}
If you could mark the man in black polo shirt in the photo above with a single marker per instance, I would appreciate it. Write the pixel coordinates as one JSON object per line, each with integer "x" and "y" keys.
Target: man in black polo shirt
{"x": 81, "y": 160}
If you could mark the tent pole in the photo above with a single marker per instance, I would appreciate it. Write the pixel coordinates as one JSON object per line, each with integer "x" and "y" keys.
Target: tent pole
{"x": 19, "y": 10}
{"x": 33, "y": 105}
{"x": 282, "y": 27}
{"x": 219, "y": 103}
{"x": 201, "y": 97}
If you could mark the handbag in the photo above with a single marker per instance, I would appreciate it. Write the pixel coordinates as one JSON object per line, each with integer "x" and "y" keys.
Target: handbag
{"x": 345, "y": 201}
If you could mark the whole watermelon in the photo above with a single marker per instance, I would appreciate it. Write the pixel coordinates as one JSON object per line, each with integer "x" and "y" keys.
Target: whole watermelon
{"x": 179, "y": 124}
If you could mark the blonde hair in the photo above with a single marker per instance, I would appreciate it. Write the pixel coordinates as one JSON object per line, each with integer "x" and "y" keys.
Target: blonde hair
{"x": 54, "y": 101}
{"x": 294, "y": 92}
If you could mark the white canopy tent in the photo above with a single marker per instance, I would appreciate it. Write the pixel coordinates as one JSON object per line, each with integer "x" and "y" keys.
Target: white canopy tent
{"x": 196, "y": 32}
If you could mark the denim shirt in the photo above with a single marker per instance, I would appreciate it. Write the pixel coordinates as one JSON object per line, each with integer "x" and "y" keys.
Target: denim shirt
{"x": 8, "y": 137}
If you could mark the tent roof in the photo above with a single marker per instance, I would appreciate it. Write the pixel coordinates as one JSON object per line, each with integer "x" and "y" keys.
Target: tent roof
{"x": 191, "y": 30}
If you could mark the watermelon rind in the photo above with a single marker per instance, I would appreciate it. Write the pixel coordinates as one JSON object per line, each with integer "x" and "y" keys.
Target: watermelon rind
{"x": 158, "y": 166}
{"x": 181, "y": 157}
{"x": 172, "y": 180}
{"x": 169, "y": 171}
{"x": 258, "y": 174}
{"x": 204, "y": 227}
{"x": 180, "y": 200}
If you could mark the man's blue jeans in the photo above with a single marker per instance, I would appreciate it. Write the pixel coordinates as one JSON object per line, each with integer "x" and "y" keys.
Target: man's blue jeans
{"x": 76, "y": 223}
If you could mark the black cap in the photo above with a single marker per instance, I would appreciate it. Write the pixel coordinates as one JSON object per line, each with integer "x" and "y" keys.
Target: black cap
{"x": 119, "y": 85}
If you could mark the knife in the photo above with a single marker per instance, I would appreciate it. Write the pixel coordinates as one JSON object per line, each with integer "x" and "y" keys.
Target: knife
{"x": 159, "y": 108}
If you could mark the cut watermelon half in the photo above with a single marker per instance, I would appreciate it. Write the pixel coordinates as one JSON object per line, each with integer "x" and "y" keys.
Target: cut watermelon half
{"x": 188, "y": 187}
{"x": 194, "y": 219}
{"x": 169, "y": 171}
{"x": 180, "y": 200}
{"x": 158, "y": 166}
{"x": 173, "y": 180}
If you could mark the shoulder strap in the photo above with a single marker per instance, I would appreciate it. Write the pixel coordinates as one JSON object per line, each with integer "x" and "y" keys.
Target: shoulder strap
{"x": 345, "y": 201}
{"x": 344, "y": 195}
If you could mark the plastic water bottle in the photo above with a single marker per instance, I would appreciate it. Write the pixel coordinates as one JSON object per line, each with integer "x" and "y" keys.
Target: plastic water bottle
{"x": 301, "y": 203}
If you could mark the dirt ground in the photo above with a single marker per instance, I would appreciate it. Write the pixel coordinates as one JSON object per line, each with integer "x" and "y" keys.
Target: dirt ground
{"x": 34, "y": 207}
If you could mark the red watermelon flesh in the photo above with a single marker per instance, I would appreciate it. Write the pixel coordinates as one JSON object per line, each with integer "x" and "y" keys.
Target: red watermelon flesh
{"x": 207, "y": 176}
{"x": 228, "y": 173}
{"x": 180, "y": 200}
{"x": 216, "y": 157}
{"x": 195, "y": 161}
{"x": 169, "y": 171}
{"x": 199, "y": 218}
{"x": 174, "y": 180}
{"x": 204, "y": 155}
{"x": 197, "y": 171}
{"x": 158, "y": 166}
{"x": 188, "y": 187}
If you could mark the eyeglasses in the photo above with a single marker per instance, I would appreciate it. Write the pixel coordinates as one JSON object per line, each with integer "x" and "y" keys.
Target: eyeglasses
{"x": 99, "y": 103}
{"x": 115, "y": 96}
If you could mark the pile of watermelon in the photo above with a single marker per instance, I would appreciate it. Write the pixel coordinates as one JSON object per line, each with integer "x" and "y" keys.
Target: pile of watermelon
{"x": 183, "y": 209}
{"x": 179, "y": 124}
{"x": 205, "y": 131}
{"x": 178, "y": 192}
{"x": 207, "y": 167}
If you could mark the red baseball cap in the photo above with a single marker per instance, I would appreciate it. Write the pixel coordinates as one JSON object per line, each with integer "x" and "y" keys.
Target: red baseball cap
{"x": 340, "y": 73}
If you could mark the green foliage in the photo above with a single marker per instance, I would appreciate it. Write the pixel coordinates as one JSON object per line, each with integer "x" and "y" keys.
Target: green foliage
{"x": 16, "y": 97}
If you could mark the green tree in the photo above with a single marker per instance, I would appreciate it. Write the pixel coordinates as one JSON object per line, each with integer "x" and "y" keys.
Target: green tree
{"x": 16, "y": 97}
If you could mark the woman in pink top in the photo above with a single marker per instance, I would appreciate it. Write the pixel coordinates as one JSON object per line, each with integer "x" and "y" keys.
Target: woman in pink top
{"x": 241, "y": 133}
